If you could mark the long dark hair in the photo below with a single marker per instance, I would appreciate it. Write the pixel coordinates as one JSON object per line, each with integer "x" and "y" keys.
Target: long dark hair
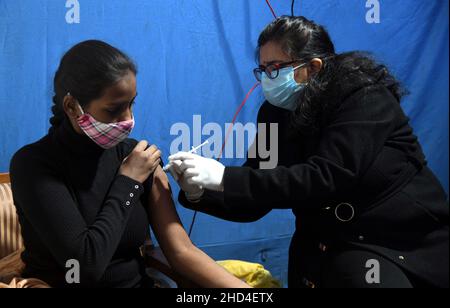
{"x": 340, "y": 74}
{"x": 85, "y": 71}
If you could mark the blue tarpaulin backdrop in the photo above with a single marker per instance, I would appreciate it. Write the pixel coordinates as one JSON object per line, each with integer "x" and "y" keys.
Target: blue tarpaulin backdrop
{"x": 196, "y": 57}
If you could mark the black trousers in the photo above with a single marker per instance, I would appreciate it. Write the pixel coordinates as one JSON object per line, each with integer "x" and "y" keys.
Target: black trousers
{"x": 350, "y": 269}
{"x": 362, "y": 269}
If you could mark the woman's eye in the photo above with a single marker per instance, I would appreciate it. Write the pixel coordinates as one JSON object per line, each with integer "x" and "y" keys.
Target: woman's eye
{"x": 123, "y": 108}
{"x": 114, "y": 111}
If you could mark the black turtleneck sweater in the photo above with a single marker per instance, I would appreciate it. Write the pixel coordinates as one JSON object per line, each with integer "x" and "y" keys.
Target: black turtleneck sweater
{"x": 72, "y": 204}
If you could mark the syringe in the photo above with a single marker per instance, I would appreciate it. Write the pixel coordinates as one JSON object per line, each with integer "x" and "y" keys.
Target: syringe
{"x": 193, "y": 150}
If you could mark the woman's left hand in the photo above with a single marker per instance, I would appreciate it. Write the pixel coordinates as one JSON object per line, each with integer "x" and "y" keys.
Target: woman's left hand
{"x": 204, "y": 172}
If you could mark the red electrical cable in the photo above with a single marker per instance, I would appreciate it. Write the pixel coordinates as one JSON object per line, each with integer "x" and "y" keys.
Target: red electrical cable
{"x": 271, "y": 9}
{"x": 235, "y": 117}
{"x": 245, "y": 99}
{"x": 225, "y": 141}
{"x": 233, "y": 121}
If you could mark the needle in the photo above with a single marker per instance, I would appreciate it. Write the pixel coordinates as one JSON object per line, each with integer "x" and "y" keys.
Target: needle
{"x": 193, "y": 150}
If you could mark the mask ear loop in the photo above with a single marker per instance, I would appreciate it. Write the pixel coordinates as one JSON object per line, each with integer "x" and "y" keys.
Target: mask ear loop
{"x": 78, "y": 104}
{"x": 301, "y": 65}
{"x": 81, "y": 109}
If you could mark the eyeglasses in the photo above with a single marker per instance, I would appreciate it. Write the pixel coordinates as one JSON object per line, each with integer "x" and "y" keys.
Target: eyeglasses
{"x": 272, "y": 70}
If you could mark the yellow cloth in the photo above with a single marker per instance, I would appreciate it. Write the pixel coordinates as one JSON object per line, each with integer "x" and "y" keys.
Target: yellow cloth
{"x": 253, "y": 274}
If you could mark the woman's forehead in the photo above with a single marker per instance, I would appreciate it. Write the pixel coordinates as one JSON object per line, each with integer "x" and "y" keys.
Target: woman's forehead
{"x": 124, "y": 89}
{"x": 271, "y": 52}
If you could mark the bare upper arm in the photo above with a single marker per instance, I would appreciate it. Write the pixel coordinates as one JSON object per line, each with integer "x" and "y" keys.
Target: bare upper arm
{"x": 164, "y": 218}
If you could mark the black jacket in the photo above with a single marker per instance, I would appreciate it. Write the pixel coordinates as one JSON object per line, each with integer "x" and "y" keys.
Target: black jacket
{"x": 361, "y": 181}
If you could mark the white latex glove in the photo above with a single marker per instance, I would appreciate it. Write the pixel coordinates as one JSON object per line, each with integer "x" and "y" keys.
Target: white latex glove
{"x": 192, "y": 192}
{"x": 204, "y": 172}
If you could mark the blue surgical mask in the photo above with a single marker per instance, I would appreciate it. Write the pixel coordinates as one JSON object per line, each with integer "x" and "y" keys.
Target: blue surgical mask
{"x": 283, "y": 91}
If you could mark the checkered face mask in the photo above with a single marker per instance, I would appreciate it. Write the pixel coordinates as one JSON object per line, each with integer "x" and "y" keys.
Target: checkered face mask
{"x": 106, "y": 135}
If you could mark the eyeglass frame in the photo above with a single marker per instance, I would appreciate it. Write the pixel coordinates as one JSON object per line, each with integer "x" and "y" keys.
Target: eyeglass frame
{"x": 262, "y": 69}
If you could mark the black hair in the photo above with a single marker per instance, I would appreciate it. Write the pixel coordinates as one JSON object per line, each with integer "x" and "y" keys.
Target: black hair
{"x": 85, "y": 71}
{"x": 340, "y": 74}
